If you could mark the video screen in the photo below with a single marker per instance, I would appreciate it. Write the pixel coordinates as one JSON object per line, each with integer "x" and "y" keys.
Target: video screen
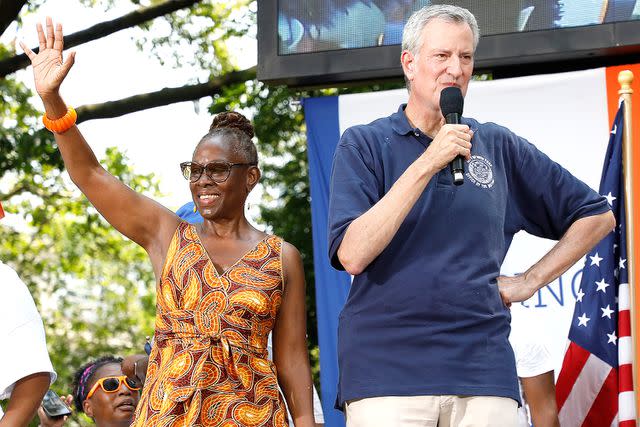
{"x": 323, "y": 25}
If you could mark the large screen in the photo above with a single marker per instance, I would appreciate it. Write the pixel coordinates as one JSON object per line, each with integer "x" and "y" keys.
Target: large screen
{"x": 320, "y": 42}
{"x": 320, "y": 25}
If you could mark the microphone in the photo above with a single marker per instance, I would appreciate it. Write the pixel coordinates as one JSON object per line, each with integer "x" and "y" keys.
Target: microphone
{"x": 451, "y": 105}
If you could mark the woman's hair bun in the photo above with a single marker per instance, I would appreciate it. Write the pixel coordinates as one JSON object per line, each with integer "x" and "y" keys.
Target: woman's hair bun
{"x": 232, "y": 120}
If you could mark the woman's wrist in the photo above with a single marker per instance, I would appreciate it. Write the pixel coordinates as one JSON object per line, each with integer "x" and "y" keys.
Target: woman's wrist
{"x": 54, "y": 106}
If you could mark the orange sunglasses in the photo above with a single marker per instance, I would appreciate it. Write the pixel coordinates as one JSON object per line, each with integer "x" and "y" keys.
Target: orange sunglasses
{"x": 112, "y": 384}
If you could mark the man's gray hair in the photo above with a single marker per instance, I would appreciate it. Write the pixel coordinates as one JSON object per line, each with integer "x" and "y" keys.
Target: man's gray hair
{"x": 412, "y": 33}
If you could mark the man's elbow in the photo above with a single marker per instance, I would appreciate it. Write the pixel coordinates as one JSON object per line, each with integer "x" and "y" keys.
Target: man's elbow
{"x": 612, "y": 220}
{"x": 352, "y": 264}
{"x": 608, "y": 222}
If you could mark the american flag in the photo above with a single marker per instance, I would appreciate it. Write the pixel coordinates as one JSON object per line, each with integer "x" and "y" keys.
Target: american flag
{"x": 595, "y": 385}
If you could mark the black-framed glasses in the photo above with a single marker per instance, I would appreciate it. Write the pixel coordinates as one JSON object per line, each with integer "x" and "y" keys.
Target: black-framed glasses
{"x": 217, "y": 171}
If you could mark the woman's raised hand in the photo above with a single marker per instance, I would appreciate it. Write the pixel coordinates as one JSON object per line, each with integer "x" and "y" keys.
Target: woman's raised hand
{"x": 49, "y": 70}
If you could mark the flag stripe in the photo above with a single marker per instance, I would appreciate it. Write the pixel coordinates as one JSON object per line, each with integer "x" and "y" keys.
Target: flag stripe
{"x": 574, "y": 360}
{"x": 585, "y": 390}
{"x": 603, "y": 410}
{"x": 627, "y": 423}
{"x": 624, "y": 323}
{"x": 627, "y": 406}
{"x": 625, "y": 346}
{"x": 625, "y": 376}
{"x": 623, "y": 297}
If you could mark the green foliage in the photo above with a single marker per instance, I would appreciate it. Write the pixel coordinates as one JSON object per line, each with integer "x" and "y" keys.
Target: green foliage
{"x": 198, "y": 37}
{"x": 23, "y": 149}
{"x": 94, "y": 288}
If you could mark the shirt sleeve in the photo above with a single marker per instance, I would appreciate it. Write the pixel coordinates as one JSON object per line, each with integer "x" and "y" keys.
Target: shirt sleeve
{"x": 318, "y": 415}
{"x": 29, "y": 355}
{"x": 22, "y": 335}
{"x": 354, "y": 188}
{"x": 546, "y": 198}
{"x": 532, "y": 357}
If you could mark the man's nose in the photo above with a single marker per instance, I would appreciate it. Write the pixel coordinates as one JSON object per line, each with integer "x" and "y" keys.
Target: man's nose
{"x": 454, "y": 67}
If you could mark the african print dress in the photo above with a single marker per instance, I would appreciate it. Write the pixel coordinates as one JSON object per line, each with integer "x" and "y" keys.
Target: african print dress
{"x": 209, "y": 364}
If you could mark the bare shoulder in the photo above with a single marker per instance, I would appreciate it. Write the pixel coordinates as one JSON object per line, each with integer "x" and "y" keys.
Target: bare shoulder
{"x": 290, "y": 252}
{"x": 292, "y": 263}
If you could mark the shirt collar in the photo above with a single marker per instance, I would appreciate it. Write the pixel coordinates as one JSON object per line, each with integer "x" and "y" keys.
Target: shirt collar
{"x": 400, "y": 122}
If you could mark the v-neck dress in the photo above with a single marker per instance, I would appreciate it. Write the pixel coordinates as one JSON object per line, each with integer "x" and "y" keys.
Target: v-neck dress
{"x": 209, "y": 364}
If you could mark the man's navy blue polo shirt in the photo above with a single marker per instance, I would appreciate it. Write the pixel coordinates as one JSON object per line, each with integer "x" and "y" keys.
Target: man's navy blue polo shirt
{"x": 426, "y": 317}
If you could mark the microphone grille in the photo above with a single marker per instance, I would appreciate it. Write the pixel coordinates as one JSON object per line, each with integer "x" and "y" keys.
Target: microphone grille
{"x": 451, "y": 100}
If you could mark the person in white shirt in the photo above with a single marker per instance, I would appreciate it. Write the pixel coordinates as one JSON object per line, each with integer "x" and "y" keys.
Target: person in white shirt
{"x": 25, "y": 368}
{"x": 534, "y": 365}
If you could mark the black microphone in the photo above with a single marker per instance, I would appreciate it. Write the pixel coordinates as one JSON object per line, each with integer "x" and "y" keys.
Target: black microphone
{"x": 451, "y": 105}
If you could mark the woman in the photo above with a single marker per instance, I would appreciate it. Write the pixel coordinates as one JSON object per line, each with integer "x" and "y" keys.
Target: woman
{"x": 101, "y": 391}
{"x": 222, "y": 285}
{"x": 135, "y": 366}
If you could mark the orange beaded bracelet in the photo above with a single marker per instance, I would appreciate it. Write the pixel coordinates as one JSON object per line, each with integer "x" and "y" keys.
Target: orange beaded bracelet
{"x": 62, "y": 124}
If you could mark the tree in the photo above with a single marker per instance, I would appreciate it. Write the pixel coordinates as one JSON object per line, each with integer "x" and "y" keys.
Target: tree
{"x": 94, "y": 288}
{"x": 103, "y": 29}
{"x": 9, "y": 10}
{"x": 61, "y": 227}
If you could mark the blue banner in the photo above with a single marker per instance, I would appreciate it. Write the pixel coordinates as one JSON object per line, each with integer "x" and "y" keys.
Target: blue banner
{"x": 332, "y": 286}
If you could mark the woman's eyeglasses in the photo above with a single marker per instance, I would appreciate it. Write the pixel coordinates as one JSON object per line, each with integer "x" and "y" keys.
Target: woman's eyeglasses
{"x": 112, "y": 384}
{"x": 216, "y": 171}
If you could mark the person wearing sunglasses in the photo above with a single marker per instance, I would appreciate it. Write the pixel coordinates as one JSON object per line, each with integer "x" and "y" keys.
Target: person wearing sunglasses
{"x": 103, "y": 393}
{"x": 223, "y": 285}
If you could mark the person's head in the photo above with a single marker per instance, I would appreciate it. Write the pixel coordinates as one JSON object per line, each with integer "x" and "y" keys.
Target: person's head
{"x": 438, "y": 45}
{"x": 224, "y": 167}
{"x": 101, "y": 391}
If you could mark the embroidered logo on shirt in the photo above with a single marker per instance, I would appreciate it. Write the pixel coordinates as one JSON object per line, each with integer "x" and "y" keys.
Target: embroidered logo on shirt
{"x": 480, "y": 172}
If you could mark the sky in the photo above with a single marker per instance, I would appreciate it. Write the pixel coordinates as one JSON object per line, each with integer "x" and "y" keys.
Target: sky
{"x": 111, "y": 68}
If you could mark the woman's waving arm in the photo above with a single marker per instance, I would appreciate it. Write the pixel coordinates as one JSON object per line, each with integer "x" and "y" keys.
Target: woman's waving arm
{"x": 139, "y": 218}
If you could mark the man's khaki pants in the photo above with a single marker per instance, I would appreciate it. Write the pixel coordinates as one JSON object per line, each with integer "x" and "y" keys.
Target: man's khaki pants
{"x": 432, "y": 411}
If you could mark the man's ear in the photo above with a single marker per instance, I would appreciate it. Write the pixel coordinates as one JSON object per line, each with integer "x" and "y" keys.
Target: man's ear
{"x": 87, "y": 408}
{"x": 408, "y": 61}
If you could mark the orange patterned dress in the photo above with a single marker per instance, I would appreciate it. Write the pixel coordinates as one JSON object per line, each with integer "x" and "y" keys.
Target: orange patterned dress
{"x": 209, "y": 366}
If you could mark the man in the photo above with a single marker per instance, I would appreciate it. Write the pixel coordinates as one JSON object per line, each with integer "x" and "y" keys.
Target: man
{"x": 25, "y": 368}
{"x": 423, "y": 337}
